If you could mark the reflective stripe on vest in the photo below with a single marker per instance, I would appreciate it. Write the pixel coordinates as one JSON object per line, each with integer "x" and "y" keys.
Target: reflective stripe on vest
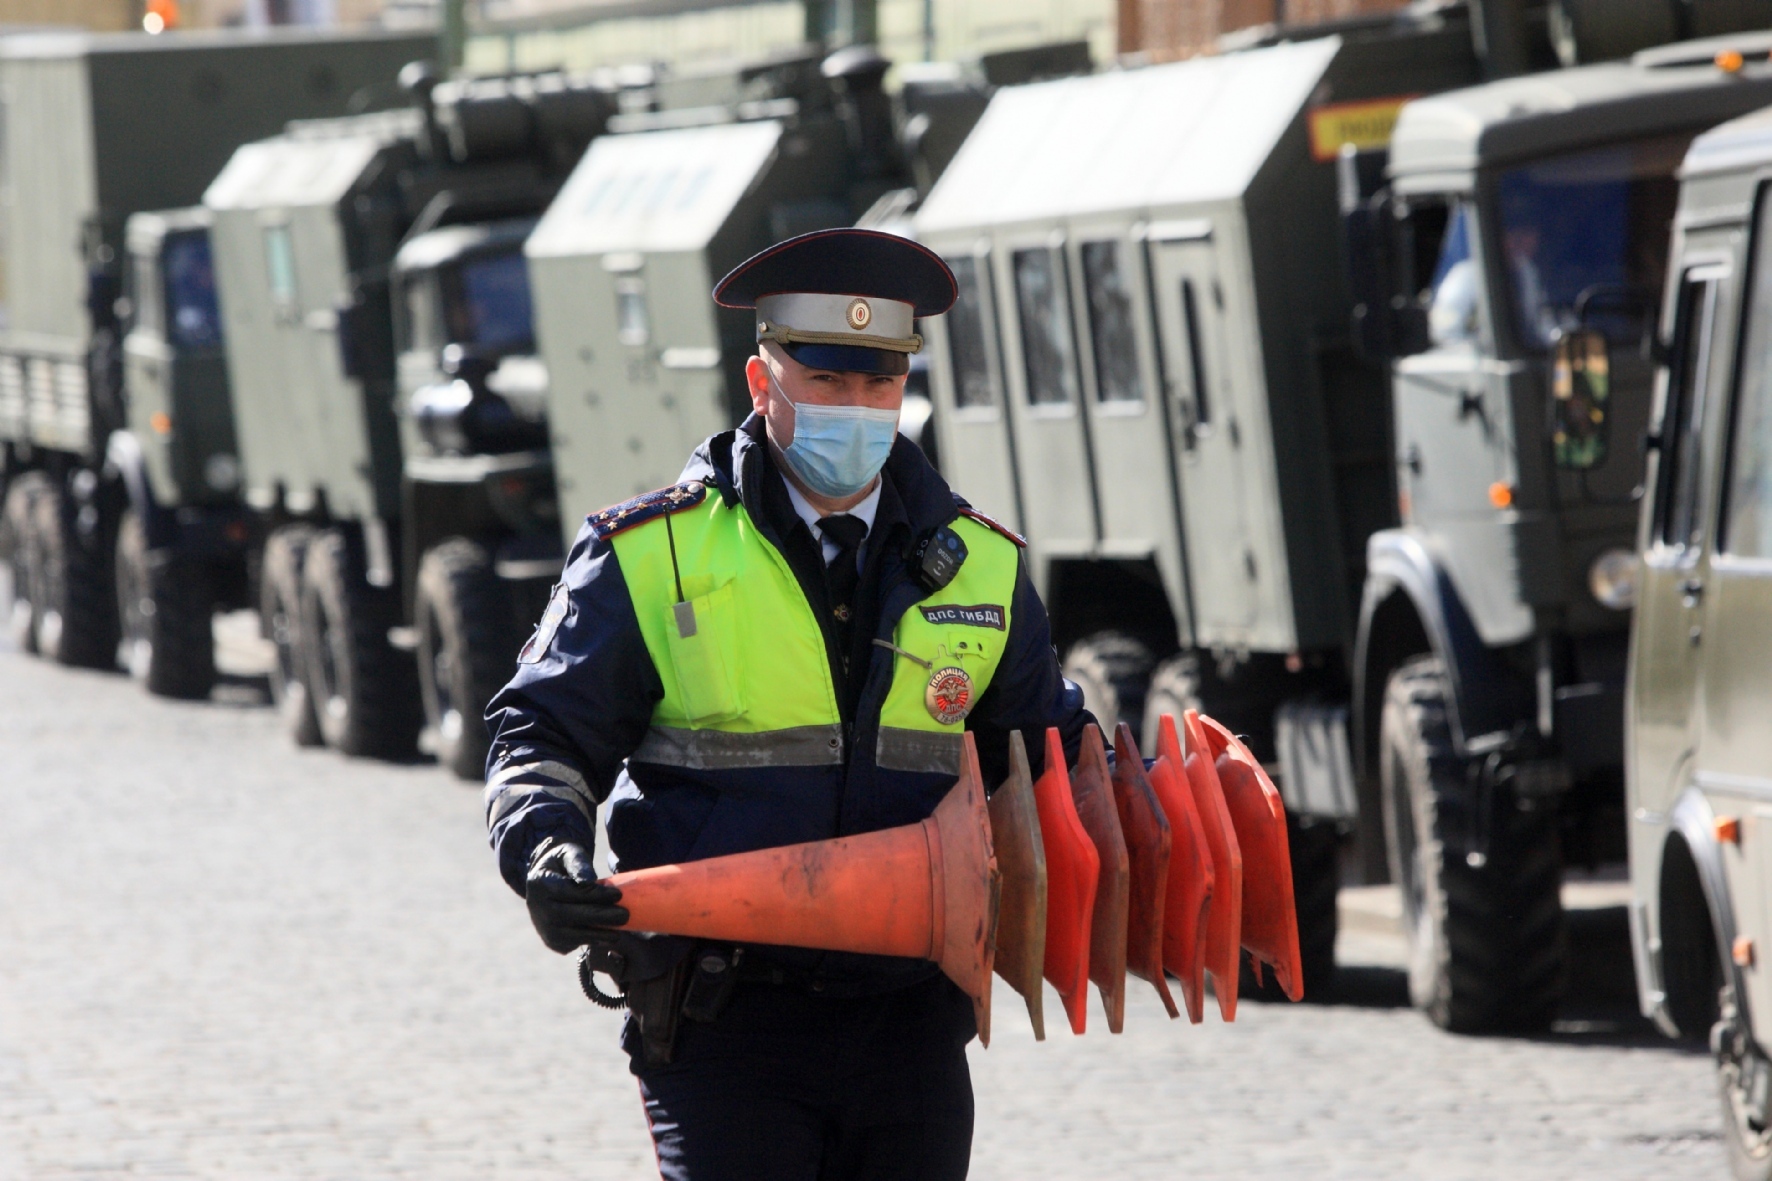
{"x": 742, "y": 660}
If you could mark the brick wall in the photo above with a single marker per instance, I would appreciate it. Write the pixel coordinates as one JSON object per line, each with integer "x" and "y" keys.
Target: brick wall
{"x": 1164, "y": 30}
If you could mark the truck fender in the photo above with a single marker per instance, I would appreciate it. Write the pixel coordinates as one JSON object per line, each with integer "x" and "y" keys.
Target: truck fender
{"x": 126, "y": 464}
{"x": 1695, "y": 821}
{"x": 1402, "y": 570}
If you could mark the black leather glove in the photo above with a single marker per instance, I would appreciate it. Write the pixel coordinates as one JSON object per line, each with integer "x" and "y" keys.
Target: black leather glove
{"x": 567, "y": 903}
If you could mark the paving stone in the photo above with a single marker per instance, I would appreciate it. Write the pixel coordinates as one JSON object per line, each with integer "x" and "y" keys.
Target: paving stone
{"x": 221, "y": 957}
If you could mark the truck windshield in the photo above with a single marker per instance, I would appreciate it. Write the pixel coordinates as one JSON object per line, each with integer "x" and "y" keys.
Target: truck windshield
{"x": 487, "y": 302}
{"x": 193, "y": 321}
{"x": 1585, "y": 235}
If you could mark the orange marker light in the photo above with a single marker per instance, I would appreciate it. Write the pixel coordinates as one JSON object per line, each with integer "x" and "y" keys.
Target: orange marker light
{"x": 1728, "y": 829}
{"x": 1501, "y": 495}
{"x": 161, "y": 422}
{"x": 1729, "y": 61}
{"x": 1742, "y": 952}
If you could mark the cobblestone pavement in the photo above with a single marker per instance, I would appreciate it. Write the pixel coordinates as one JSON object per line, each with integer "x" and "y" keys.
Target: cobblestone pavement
{"x": 223, "y": 957}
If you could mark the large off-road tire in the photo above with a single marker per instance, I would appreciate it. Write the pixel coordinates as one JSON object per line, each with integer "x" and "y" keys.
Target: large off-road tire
{"x": 1113, "y": 669}
{"x": 467, "y": 649}
{"x": 73, "y": 596}
{"x": 167, "y": 612}
{"x": 1487, "y": 942}
{"x": 1741, "y": 1085}
{"x": 279, "y": 620}
{"x": 1315, "y": 850}
{"x": 19, "y": 553}
{"x": 365, "y": 690}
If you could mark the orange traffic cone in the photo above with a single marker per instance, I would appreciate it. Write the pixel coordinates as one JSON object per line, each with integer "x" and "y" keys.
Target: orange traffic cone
{"x": 1193, "y": 885}
{"x": 1093, "y": 791}
{"x": 1072, "y": 870}
{"x": 1270, "y": 916}
{"x": 1021, "y": 859}
{"x": 1224, "y": 924}
{"x": 928, "y": 891}
{"x": 1147, "y": 860}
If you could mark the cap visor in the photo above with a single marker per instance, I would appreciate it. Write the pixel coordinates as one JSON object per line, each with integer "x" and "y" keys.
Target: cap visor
{"x": 842, "y": 358}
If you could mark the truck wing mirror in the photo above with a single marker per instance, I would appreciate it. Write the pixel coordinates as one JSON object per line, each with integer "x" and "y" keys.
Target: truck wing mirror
{"x": 1580, "y": 392}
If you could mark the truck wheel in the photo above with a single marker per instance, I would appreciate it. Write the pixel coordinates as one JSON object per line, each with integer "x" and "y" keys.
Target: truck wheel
{"x": 1316, "y": 879}
{"x": 279, "y": 621}
{"x": 18, "y": 550}
{"x": 1486, "y": 933}
{"x": 1742, "y": 1086}
{"x": 1113, "y": 670}
{"x": 365, "y": 690}
{"x": 166, "y": 611}
{"x": 74, "y": 595}
{"x": 467, "y": 647}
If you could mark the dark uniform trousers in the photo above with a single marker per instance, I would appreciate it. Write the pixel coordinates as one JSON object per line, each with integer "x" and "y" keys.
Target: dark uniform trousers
{"x": 786, "y": 1085}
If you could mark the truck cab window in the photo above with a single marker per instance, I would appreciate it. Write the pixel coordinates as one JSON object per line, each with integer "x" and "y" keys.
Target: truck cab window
{"x": 1747, "y": 505}
{"x": 193, "y": 319}
{"x": 1453, "y": 293}
{"x": 966, "y": 337}
{"x": 1044, "y": 315}
{"x": 1110, "y": 323}
{"x": 1677, "y": 525}
{"x": 1583, "y": 239}
{"x": 486, "y": 303}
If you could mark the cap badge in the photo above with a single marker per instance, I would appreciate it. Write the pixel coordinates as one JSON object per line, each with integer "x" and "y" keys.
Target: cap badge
{"x": 860, "y": 314}
{"x": 949, "y": 695}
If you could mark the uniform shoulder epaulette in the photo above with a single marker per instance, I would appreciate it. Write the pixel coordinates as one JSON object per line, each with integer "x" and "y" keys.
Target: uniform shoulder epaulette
{"x": 967, "y": 510}
{"x": 646, "y": 507}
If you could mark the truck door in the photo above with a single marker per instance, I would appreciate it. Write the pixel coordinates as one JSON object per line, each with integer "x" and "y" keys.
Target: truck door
{"x": 974, "y": 430}
{"x": 1207, "y": 441}
{"x": 1735, "y": 649}
{"x": 1057, "y": 474}
{"x": 1134, "y": 460}
{"x": 1669, "y": 623}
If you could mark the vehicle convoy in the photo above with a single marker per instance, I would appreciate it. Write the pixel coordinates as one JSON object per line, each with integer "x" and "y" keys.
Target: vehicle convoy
{"x": 388, "y": 401}
{"x": 1170, "y": 369}
{"x": 118, "y": 475}
{"x": 1698, "y": 749}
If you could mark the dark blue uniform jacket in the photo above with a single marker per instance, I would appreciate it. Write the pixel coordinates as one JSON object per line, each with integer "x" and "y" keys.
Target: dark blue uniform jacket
{"x": 565, "y": 725}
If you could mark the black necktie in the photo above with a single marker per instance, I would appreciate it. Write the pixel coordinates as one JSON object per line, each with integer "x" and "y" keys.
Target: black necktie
{"x": 842, "y": 574}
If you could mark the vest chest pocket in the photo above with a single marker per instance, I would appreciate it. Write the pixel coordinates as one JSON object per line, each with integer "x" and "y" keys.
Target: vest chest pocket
{"x": 700, "y": 639}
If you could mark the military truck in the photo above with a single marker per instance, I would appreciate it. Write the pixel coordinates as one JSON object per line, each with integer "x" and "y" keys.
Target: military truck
{"x": 387, "y": 401}
{"x": 97, "y": 128}
{"x": 1699, "y": 679}
{"x": 642, "y": 365}
{"x": 1171, "y": 369}
{"x": 1530, "y": 221}
{"x": 1150, "y": 371}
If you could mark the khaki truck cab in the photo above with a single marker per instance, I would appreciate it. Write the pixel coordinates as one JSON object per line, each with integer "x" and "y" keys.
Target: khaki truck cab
{"x": 1698, "y": 743}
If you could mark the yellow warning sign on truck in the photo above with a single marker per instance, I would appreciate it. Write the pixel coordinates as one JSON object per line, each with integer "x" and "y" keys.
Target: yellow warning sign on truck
{"x": 1365, "y": 124}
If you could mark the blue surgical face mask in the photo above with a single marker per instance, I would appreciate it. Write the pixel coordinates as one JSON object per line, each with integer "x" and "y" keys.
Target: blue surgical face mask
{"x": 838, "y": 450}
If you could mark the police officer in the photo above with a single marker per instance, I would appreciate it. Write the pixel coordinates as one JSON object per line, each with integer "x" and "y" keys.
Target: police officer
{"x": 786, "y": 646}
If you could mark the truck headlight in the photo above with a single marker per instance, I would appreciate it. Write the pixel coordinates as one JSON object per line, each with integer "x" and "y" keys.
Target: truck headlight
{"x": 1613, "y": 579}
{"x": 221, "y": 472}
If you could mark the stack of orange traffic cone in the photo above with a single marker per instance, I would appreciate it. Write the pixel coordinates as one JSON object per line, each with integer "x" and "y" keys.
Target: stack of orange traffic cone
{"x": 1075, "y": 878}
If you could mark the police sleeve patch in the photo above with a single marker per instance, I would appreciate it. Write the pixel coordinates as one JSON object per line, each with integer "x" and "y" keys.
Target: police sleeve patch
{"x": 967, "y": 510}
{"x": 648, "y": 507}
{"x": 543, "y": 639}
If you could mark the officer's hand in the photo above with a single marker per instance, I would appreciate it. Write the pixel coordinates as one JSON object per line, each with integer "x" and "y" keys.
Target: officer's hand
{"x": 566, "y": 902}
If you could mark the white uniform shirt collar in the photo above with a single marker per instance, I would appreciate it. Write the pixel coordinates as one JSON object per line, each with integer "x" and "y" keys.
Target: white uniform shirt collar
{"x": 864, "y": 512}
